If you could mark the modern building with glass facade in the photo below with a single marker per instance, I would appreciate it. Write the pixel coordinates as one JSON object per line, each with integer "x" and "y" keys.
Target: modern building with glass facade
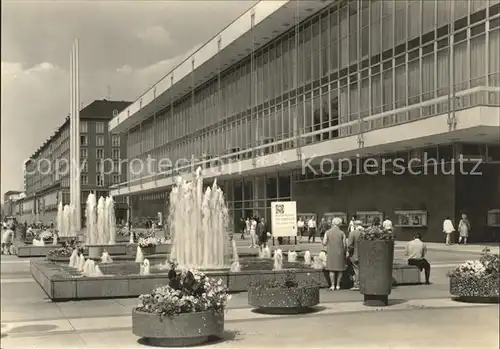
{"x": 291, "y": 87}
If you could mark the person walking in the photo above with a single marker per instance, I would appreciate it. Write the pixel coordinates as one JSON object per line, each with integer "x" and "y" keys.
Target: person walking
{"x": 463, "y": 229}
{"x": 352, "y": 250}
{"x": 242, "y": 227}
{"x": 311, "y": 226}
{"x": 7, "y": 236}
{"x": 387, "y": 225}
{"x": 416, "y": 251}
{"x": 335, "y": 243}
{"x": 448, "y": 229}
{"x": 300, "y": 227}
{"x": 262, "y": 233}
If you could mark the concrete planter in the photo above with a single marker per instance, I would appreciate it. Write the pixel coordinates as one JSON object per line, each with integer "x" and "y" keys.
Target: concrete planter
{"x": 475, "y": 289}
{"x": 179, "y": 330}
{"x": 283, "y": 300}
{"x": 375, "y": 270}
{"x": 95, "y": 251}
{"x": 148, "y": 251}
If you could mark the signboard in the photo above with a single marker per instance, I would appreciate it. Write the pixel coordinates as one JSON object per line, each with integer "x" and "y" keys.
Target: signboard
{"x": 284, "y": 218}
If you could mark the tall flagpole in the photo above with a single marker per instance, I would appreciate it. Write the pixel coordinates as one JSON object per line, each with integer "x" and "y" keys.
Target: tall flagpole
{"x": 71, "y": 133}
{"x": 75, "y": 193}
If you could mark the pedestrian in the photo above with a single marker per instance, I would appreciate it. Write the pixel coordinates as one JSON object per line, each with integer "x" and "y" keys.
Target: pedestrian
{"x": 352, "y": 250}
{"x": 448, "y": 229}
{"x": 242, "y": 227}
{"x": 262, "y": 233}
{"x": 323, "y": 227}
{"x": 7, "y": 236}
{"x": 416, "y": 251}
{"x": 387, "y": 225}
{"x": 463, "y": 229}
{"x": 335, "y": 243}
{"x": 311, "y": 226}
{"x": 301, "y": 227}
{"x": 253, "y": 233}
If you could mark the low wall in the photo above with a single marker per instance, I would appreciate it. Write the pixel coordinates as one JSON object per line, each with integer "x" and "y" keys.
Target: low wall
{"x": 61, "y": 282}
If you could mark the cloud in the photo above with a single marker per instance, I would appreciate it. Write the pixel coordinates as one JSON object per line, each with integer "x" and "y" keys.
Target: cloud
{"x": 155, "y": 35}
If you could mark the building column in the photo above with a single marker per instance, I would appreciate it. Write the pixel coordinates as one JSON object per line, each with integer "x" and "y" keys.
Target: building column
{"x": 129, "y": 209}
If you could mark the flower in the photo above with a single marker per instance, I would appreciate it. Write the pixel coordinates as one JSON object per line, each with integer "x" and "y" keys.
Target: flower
{"x": 148, "y": 242}
{"x": 375, "y": 233}
{"x": 487, "y": 266}
{"x": 188, "y": 291}
{"x": 60, "y": 252}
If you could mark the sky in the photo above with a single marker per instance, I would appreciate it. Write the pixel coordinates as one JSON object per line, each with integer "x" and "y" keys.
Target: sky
{"x": 125, "y": 47}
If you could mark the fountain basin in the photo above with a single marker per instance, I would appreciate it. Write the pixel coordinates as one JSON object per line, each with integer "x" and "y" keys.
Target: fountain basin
{"x": 95, "y": 251}
{"x": 282, "y": 300}
{"x": 121, "y": 279}
{"x": 181, "y": 330}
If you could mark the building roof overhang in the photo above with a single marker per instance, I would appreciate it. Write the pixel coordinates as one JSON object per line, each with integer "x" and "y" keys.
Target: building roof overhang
{"x": 234, "y": 43}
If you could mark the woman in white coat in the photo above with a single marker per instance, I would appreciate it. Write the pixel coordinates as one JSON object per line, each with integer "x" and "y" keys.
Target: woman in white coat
{"x": 448, "y": 229}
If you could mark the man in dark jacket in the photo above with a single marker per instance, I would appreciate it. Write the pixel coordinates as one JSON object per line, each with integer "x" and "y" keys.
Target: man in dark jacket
{"x": 262, "y": 232}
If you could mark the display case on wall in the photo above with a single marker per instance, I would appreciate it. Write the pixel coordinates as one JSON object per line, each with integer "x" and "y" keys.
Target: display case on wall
{"x": 367, "y": 217}
{"x": 410, "y": 218}
{"x": 331, "y": 215}
{"x": 494, "y": 217}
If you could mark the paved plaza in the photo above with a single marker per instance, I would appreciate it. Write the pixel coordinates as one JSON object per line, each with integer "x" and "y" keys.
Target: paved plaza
{"x": 418, "y": 317}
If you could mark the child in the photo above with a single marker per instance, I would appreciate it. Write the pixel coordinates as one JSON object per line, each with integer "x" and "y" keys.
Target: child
{"x": 7, "y": 236}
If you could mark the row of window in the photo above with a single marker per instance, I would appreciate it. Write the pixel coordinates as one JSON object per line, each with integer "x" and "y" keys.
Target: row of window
{"x": 102, "y": 166}
{"x": 414, "y": 71}
{"x": 115, "y": 153}
{"x": 99, "y": 179}
{"x": 99, "y": 127}
{"x": 99, "y": 140}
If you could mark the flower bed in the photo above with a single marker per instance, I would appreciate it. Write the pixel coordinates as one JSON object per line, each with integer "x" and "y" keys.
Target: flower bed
{"x": 477, "y": 279}
{"x": 288, "y": 297}
{"x": 59, "y": 254}
{"x": 185, "y": 312}
{"x": 148, "y": 242}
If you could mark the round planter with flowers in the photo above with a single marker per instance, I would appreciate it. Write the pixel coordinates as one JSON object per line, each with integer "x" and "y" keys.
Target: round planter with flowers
{"x": 272, "y": 296}
{"x": 477, "y": 280}
{"x": 376, "y": 255}
{"x": 186, "y": 312}
{"x": 148, "y": 245}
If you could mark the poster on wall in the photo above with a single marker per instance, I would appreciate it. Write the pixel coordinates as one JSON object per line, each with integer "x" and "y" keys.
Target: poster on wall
{"x": 331, "y": 215}
{"x": 284, "y": 218}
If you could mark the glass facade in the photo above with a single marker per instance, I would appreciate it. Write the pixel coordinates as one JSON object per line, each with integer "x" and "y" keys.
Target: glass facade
{"x": 351, "y": 61}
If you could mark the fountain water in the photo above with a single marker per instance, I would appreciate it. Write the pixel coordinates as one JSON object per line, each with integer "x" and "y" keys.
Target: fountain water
{"x": 106, "y": 258}
{"x": 278, "y": 260}
{"x": 292, "y": 256}
{"x": 145, "y": 268}
{"x": 91, "y": 269}
{"x": 91, "y": 219}
{"x": 198, "y": 224}
{"x": 307, "y": 258}
{"x": 111, "y": 219}
{"x": 73, "y": 260}
{"x": 81, "y": 262}
{"x": 59, "y": 219}
{"x": 235, "y": 267}
{"x": 101, "y": 223}
{"x": 139, "y": 256}
{"x": 266, "y": 252}
{"x": 66, "y": 220}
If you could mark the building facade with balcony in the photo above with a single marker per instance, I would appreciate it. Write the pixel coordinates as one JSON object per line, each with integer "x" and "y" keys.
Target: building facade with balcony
{"x": 101, "y": 153}
{"x": 293, "y": 88}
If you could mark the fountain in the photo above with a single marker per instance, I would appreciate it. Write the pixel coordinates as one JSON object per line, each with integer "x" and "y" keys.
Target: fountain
{"x": 106, "y": 258}
{"x": 59, "y": 219}
{"x": 278, "y": 260}
{"x": 139, "y": 256}
{"x": 292, "y": 256}
{"x": 91, "y": 217}
{"x": 81, "y": 262}
{"x": 145, "y": 268}
{"x": 235, "y": 266}
{"x": 307, "y": 258}
{"x": 101, "y": 223}
{"x": 111, "y": 219}
{"x": 91, "y": 269}
{"x": 66, "y": 220}
{"x": 73, "y": 260}
{"x": 198, "y": 224}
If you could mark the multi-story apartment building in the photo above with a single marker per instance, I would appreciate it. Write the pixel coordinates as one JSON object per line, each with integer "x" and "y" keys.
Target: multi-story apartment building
{"x": 9, "y": 199}
{"x": 47, "y": 170}
{"x": 291, "y": 88}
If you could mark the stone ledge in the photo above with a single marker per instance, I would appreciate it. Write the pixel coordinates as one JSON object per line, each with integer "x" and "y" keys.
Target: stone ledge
{"x": 62, "y": 285}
